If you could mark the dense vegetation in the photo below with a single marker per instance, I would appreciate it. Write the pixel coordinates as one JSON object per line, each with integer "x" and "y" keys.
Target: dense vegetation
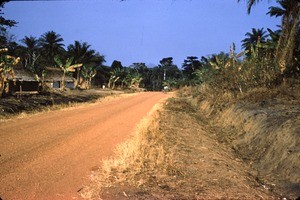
{"x": 269, "y": 58}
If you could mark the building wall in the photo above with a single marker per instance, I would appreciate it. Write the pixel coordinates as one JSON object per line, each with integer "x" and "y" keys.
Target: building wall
{"x": 57, "y": 84}
{"x": 24, "y": 85}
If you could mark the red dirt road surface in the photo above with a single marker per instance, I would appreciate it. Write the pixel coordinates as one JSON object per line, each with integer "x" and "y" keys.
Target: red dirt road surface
{"x": 51, "y": 155}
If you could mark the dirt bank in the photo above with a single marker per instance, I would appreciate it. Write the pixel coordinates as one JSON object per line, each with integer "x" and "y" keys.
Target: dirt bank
{"x": 263, "y": 128}
{"x": 177, "y": 155}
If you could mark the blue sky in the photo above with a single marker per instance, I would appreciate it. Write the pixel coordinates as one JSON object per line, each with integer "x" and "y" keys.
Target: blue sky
{"x": 142, "y": 30}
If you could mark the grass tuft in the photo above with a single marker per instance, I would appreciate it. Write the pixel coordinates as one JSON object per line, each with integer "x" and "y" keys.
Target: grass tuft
{"x": 135, "y": 160}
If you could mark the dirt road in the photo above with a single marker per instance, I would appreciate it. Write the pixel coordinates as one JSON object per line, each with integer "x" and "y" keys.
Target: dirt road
{"x": 50, "y": 155}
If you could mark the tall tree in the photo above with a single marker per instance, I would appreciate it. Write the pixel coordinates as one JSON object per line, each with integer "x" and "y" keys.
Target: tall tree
{"x": 253, "y": 38}
{"x": 51, "y": 45}
{"x": 116, "y": 64}
{"x": 272, "y": 40}
{"x": 139, "y": 67}
{"x": 30, "y": 43}
{"x": 156, "y": 77}
{"x": 289, "y": 11}
{"x": 102, "y": 75}
{"x": 89, "y": 58}
{"x": 171, "y": 74}
{"x": 30, "y": 53}
{"x": 81, "y": 52}
{"x": 4, "y": 25}
{"x": 190, "y": 65}
{"x": 286, "y": 48}
{"x": 166, "y": 63}
{"x": 250, "y": 3}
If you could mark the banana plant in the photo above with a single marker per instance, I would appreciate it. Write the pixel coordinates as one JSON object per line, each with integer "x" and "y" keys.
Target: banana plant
{"x": 65, "y": 67}
{"x": 116, "y": 75}
{"x": 134, "y": 80}
{"x": 88, "y": 73}
{"x": 6, "y": 69}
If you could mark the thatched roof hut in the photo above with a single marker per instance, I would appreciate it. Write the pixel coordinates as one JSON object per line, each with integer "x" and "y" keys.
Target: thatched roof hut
{"x": 20, "y": 74}
{"x": 53, "y": 78}
{"x": 23, "y": 81}
{"x": 56, "y": 74}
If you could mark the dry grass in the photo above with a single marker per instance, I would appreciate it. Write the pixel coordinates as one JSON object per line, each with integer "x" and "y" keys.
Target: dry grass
{"x": 216, "y": 100}
{"x": 178, "y": 153}
{"x": 283, "y": 92}
{"x": 173, "y": 155}
{"x": 135, "y": 160}
{"x": 262, "y": 126}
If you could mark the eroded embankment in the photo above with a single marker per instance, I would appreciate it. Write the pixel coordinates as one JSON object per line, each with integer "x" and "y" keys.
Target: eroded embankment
{"x": 174, "y": 154}
{"x": 265, "y": 134}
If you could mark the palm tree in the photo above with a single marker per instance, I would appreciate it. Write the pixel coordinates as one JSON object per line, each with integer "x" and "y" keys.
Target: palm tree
{"x": 250, "y": 3}
{"x": 30, "y": 52}
{"x": 30, "y": 43}
{"x": 289, "y": 11}
{"x": 273, "y": 39}
{"x": 81, "y": 52}
{"x": 253, "y": 38}
{"x": 51, "y": 45}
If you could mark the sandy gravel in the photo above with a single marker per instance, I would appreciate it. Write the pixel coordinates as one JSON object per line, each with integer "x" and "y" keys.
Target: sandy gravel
{"x": 50, "y": 155}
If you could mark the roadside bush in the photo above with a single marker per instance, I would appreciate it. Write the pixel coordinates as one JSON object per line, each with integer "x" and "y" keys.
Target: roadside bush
{"x": 227, "y": 73}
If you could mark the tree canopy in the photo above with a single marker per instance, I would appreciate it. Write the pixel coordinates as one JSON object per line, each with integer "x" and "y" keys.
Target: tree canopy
{"x": 4, "y": 25}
